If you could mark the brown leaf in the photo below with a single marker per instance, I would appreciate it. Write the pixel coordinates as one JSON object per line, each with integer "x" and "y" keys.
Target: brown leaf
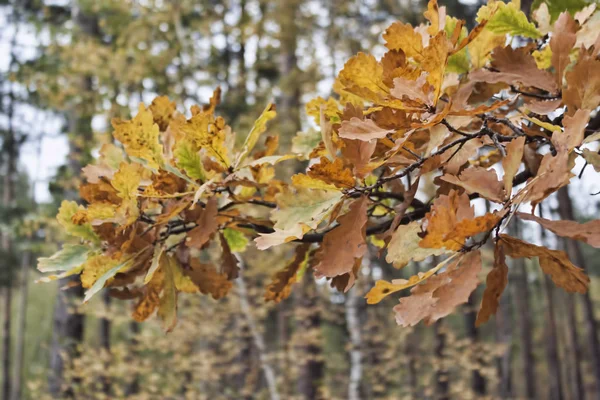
{"x": 512, "y": 161}
{"x": 344, "y": 282}
{"x": 208, "y": 280}
{"x": 562, "y": 41}
{"x": 515, "y": 67}
{"x": 207, "y": 225}
{"x": 583, "y": 84}
{"x": 554, "y": 263}
{"x": 554, "y": 172}
{"x": 281, "y": 283}
{"x": 479, "y": 180}
{"x": 588, "y": 232}
{"x": 364, "y": 130}
{"x": 496, "y": 282}
{"x": 359, "y": 153}
{"x": 343, "y": 244}
{"x": 332, "y": 172}
{"x": 440, "y": 294}
{"x": 229, "y": 261}
{"x": 593, "y": 158}
{"x": 574, "y": 131}
{"x": 445, "y": 212}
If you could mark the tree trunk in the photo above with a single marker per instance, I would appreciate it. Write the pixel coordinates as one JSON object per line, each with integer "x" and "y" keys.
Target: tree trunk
{"x": 17, "y": 385}
{"x": 288, "y": 105}
{"x": 524, "y": 321}
{"x": 565, "y": 210}
{"x": 504, "y": 332}
{"x": 442, "y": 383}
{"x": 69, "y": 326}
{"x": 478, "y": 382}
{"x": 353, "y": 324}
{"x": 552, "y": 354}
{"x": 133, "y": 387}
{"x": 308, "y": 326}
{"x": 257, "y": 337}
{"x": 104, "y": 334}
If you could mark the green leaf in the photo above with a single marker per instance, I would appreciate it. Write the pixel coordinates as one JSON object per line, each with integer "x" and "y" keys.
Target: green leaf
{"x": 156, "y": 257}
{"x": 71, "y": 256}
{"x": 99, "y": 284}
{"x": 188, "y": 160}
{"x": 260, "y": 125}
{"x": 65, "y": 214}
{"x": 555, "y": 7}
{"x": 508, "y": 19}
{"x": 236, "y": 240}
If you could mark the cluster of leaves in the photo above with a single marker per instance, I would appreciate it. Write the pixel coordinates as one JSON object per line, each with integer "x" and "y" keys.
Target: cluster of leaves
{"x": 445, "y": 107}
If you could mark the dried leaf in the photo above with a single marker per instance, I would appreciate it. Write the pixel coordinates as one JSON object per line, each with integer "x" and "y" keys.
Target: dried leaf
{"x": 348, "y": 235}
{"x": 496, "y": 282}
{"x": 554, "y": 263}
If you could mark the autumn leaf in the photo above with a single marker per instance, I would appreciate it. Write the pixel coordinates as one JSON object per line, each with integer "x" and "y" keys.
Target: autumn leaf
{"x": 162, "y": 110}
{"x": 445, "y": 212}
{"x": 206, "y": 225}
{"x": 207, "y": 279}
{"x": 588, "y": 232}
{"x": 167, "y": 306}
{"x": 69, "y": 257}
{"x": 333, "y": 173}
{"x": 302, "y": 207}
{"x": 562, "y": 41}
{"x": 496, "y": 282}
{"x": 349, "y": 235}
{"x": 281, "y": 283}
{"x": 554, "y": 263}
{"x": 512, "y": 161}
{"x": 479, "y": 180}
{"x": 383, "y": 288}
{"x": 259, "y": 127}
{"x": 66, "y": 212}
{"x": 574, "y": 131}
{"x": 583, "y": 84}
{"x": 400, "y": 36}
{"x": 362, "y": 129}
{"x": 140, "y": 137}
{"x": 592, "y": 158}
{"x": 440, "y": 294}
{"x": 404, "y": 246}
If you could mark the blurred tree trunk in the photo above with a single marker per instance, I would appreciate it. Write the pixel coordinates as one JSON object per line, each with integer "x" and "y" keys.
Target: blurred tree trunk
{"x": 573, "y": 369}
{"x": 525, "y": 324}
{"x": 257, "y": 336}
{"x": 555, "y": 390}
{"x": 10, "y": 155}
{"x": 524, "y": 319}
{"x": 504, "y": 332}
{"x": 288, "y": 105}
{"x": 68, "y": 326}
{"x": 104, "y": 337}
{"x": 353, "y": 324}
{"x": 478, "y": 382}
{"x": 133, "y": 387}
{"x": 442, "y": 383}
{"x": 565, "y": 210}
{"x": 309, "y": 340}
{"x": 17, "y": 385}
{"x": 555, "y": 387}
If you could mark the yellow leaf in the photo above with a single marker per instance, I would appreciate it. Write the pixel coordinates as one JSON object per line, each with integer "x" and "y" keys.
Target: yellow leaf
{"x": 260, "y": 125}
{"x": 127, "y": 180}
{"x": 140, "y": 137}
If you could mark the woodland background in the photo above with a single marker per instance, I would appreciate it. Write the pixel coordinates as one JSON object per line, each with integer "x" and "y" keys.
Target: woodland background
{"x": 67, "y": 67}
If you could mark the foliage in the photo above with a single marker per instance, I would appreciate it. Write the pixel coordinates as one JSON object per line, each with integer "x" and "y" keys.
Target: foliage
{"x": 156, "y": 214}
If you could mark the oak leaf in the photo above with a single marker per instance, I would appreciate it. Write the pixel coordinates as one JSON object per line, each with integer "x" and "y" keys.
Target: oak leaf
{"x": 479, "y": 180}
{"x": 362, "y": 129}
{"x": 554, "y": 263}
{"x": 334, "y": 173}
{"x": 350, "y": 236}
{"x": 281, "y": 283}
{"x": 440, "y": 294}
{"x": 206, "y": 225}
{"x": 404, "y": 246}
{"x": 562, "y": 41}
{"x": 588, "y": 232}
{"x": 496, "y": 282}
